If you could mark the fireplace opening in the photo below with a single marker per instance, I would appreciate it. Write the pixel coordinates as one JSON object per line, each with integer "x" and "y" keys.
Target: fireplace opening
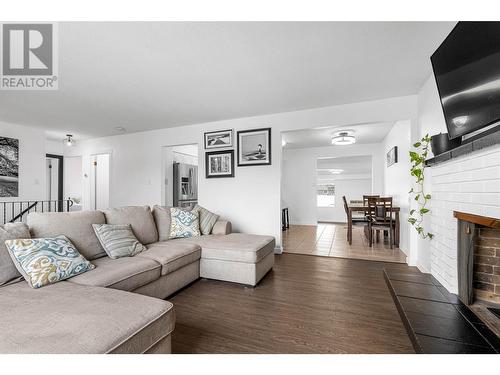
{"x": 479, "y": 267}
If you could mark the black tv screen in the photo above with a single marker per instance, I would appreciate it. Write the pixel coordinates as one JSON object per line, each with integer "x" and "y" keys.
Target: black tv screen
{"x": 467, "y": 71}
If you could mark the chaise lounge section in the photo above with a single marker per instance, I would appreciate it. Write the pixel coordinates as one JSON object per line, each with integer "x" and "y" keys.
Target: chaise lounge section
{"x": 120, "y": 307}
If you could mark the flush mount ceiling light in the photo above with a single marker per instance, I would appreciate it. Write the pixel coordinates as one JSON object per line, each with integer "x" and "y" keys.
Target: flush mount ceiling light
{"x": 344, "y": 137}
{"x": 331, "y": 170}
{"x": 120, "y": 129}
{"x": 69, "y": 141}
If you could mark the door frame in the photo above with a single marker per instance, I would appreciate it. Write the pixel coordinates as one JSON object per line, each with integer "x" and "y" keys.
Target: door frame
{"x": 60, "y": 182}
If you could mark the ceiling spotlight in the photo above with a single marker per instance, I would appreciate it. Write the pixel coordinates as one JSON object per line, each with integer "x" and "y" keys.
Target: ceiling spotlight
{"x": 69, "y": 141}
{"x": 120, "y": 129}
{"x": 344, "y": 137}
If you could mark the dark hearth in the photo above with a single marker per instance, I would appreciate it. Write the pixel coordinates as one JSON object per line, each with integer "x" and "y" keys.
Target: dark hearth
{"x": 436, "y": 321}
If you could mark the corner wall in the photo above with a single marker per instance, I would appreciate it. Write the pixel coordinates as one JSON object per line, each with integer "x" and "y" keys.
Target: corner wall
{"x": 397, "y": 180}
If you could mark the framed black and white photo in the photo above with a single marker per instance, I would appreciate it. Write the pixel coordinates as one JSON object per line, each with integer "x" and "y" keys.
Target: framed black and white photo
{"x": 219, "y": 164}
{"x": 222, "y": 138}
{"x": 254, "y": 147}
{"x": 9, "y": 167}
{"x": 392, "y": 156}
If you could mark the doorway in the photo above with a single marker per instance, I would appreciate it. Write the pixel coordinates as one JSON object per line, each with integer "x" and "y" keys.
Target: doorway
{"x": 99, "y": 181}
{"x": 180, "y": 172}
{"x": 54, "y": 169}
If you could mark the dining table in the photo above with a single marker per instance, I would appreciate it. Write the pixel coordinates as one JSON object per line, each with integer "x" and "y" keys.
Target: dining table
{"x": 360, "y": 208}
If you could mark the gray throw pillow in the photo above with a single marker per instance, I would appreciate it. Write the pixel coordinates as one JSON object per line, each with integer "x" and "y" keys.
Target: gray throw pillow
{"x": 207, "y": 219}
{"x": 118, "y": 240}
{"x": 10, "y": 231}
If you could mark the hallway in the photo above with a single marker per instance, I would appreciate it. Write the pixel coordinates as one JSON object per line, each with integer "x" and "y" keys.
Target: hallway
{"x": 330, "y": 240}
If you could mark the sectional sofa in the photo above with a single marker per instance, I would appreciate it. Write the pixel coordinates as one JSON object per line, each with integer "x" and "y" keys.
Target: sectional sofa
{"x": 120, "y": 306}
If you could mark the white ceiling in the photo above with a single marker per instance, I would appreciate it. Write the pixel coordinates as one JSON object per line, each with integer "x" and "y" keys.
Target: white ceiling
{"x": 319, "y": 137}
{"x": 149, "y": 75}
{"x": 361, "y": 166}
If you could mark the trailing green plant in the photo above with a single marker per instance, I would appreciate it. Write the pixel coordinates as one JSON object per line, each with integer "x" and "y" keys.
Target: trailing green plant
{"x": 417, "y": 159}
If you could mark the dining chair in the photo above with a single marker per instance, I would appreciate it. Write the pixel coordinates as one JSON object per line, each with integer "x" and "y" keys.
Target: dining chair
{"x": 366, "y": 197}
{"x": 380, "y": 218}
{"x": 356, "y": 220}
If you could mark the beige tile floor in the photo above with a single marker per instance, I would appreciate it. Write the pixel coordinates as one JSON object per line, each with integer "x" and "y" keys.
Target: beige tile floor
{"x": 330, "y": 240}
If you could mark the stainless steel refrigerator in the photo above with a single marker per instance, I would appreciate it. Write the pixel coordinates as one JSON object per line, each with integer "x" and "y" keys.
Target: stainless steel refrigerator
{"x": 185, "y": 185}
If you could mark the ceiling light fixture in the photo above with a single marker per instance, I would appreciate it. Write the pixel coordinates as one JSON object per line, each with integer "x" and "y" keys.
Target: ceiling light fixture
{"x": 330, "y": 170}
{"x": 344, "y": 137}
{"x": 120, "y": 129}
{"x": 69, "y": 141}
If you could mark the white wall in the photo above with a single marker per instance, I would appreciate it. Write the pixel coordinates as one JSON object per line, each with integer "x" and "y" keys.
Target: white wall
{"x": 352, "y": 189}
{"x": 31, "y": 161}
{"x": 299, "y": 179}
{"x": 397, "y": 181}
{"x": 54, "y": 147}
{"x": 251, "y": 200}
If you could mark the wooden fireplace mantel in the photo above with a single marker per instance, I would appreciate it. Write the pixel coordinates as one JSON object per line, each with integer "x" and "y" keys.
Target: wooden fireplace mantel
{"x": 477, "y": 219}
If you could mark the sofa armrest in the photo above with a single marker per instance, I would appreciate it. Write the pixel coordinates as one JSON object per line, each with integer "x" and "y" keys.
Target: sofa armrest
{"x": 222, "y": 227}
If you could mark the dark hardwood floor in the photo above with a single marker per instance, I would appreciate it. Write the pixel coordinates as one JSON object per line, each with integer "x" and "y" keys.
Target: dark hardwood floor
{"x": 306, "y": 304}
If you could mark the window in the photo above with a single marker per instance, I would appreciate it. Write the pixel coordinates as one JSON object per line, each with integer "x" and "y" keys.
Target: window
{"x": 326, "y": 195}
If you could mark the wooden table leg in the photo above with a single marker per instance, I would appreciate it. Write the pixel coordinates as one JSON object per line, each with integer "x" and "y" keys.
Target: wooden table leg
{"x": 396, "y": 230}
{"x": 349, "y": 227}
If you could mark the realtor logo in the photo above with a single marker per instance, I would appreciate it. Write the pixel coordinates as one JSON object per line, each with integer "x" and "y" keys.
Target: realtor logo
{"x": 29, "y": 57}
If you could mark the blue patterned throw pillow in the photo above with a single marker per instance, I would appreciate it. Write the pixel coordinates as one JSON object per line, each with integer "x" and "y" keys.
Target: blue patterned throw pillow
{"x": 44, "y": 261}
{"x": 183, "y": 224}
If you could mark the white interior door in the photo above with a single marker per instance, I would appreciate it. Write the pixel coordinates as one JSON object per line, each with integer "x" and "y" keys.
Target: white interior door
{"x": 99, "y": 181}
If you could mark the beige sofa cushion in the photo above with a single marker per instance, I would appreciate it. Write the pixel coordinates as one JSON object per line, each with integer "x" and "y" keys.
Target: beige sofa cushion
{"x": 124, "y": 273}
{"x": 10, "y": 231}
{"x": 139, "y": 217}
{"x": 76, "y": 226}
{"x": 236, "y": 247}
{"x": 72, "y": 318}
{"x": 161, "y": 215}
{"x": 172, "y": 255}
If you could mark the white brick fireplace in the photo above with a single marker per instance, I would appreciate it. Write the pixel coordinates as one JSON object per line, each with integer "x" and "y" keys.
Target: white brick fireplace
{"x": 471, "y": 184}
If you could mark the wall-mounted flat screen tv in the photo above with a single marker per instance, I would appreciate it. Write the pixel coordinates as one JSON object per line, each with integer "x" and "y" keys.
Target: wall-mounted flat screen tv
{"x": 467, "y": 71}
